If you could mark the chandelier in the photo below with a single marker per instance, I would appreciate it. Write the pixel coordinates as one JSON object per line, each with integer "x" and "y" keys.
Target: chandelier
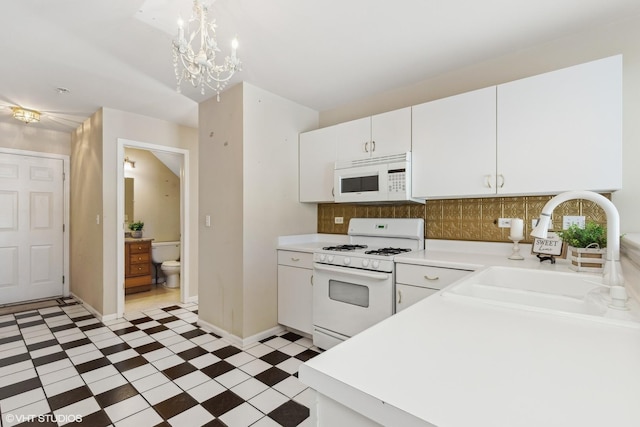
{"x": 194, "y": 54}
{"x": 25, "y": 115}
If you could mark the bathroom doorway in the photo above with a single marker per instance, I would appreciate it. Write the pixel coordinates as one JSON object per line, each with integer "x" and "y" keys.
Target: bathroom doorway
{"x": 153, "y": 188}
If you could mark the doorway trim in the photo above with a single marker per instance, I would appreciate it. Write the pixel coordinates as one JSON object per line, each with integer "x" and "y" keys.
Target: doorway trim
{"x": 184, "y": 216}
{"x": 65, "y": 204}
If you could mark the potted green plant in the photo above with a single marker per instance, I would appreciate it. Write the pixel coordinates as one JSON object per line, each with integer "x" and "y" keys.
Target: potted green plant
{"x": 136, "y": 229}
{"x": 586, "y": 246}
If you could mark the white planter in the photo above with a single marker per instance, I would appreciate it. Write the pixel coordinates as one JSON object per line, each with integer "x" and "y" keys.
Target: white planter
{"x": 136, "y": 234}
{"x": 590, "y": 260}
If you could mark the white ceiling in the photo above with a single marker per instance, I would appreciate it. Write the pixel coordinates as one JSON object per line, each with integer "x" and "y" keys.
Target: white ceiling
{"x": 319, "y": 53}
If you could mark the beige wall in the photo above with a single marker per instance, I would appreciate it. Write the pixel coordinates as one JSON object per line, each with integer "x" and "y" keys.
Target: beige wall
{"x": 249, "y": 186}
{"x": 94, "y": 174}
{"x": 156, "y": 196}
{"x": 31, "y": 138}
{"x": 621, "y": 37}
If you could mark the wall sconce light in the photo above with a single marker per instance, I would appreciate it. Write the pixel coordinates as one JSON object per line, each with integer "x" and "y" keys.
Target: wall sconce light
{"x": 131, "y": 163}
{"x": 26, "y": 116}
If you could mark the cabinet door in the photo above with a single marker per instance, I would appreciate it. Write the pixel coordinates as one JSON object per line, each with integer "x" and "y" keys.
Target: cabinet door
{"x": 391, "y": 132}
{"x": 294, "y": 298}
{"x": 354, "y": 139}
{"x": 317, "y": 157}
{"x": 562, "y": 130}
{"x": 454, "y": 146}
{"x": 407, "y": 295}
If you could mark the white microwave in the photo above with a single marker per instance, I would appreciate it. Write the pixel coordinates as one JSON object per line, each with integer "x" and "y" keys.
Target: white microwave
{"x": 374, "y": 180}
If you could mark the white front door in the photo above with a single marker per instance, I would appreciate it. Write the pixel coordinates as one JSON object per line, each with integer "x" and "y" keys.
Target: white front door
{"x": 31, "y": 228}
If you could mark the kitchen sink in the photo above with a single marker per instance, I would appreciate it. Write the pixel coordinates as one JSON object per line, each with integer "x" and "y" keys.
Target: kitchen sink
{"x": 548, "y": 291}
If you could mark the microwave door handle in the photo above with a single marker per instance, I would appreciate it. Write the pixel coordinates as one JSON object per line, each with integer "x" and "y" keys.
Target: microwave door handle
{"x": 351, "y": 271}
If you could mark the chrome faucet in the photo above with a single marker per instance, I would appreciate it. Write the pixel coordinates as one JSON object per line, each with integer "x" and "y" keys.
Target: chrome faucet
{"x": 612, "y": 273}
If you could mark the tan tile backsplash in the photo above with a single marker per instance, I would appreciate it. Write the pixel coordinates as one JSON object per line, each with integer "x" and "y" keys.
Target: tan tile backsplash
{"x": 461, "y": 219}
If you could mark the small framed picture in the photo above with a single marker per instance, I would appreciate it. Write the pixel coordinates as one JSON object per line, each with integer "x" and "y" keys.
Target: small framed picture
{"x": 552, "y": 245}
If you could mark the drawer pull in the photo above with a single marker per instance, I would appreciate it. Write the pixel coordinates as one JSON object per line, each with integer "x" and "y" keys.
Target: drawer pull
{"x": 311, "y": 280}
{"x": 295, "y": 259}
{"x": 432, "y": 278}
{"x": 399, "y": 297}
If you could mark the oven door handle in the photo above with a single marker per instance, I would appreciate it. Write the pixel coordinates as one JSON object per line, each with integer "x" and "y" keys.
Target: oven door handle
{"x": 352, "y": 271}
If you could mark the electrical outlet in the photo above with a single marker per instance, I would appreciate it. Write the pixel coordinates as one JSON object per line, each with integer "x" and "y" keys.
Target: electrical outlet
{"x": 568, "y": 221}
{"x": 504, "y": 222}
{"x": 338, "y": 220}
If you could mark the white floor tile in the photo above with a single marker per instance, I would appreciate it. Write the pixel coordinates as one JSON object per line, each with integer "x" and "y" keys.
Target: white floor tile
{"x": 139, "y": 372}
{"x": 249, "y": 388}
{"x": 146, "y": 417}
{"x": 259, "y": 350}
{"x": 181, "y": 346}
{"x": 22, "y": 399}
{"x": 191, "y": 380}
{"x": 63, "y": 386}
{"x": 204, "y": 360}
{"x": 150, "y": 381}
{"x": 146, "y": 339}
{"x": 108, "y": 383}
{"x": 45, "y": 351}
{"x": 86, "y": 357}
{"x": 81, "y": 408}
{"x": 36, "y": 408}
{"x": 161, "y": 353}
{"x": 290, "y": 365}
{"x": 58, "y": 375}
{"x": 265, "y": 422}
{"x": 122, "y": 355}
{"x": 213, "y": 345}
{"x": 277, "y": 342}
{"x": 98, "y": 374}
{"x": 290, "y": 387}
{"x": 292, "y": 349}
{"x": 54, "y": 366}
{"x": 206, "y": 390}
{"x": 241, "y": 416}
{"x": 18, "y": 377}
{"x": 81, "y": 349}
{"x": 232, "y": 378}
{"x": 268, "y": 400}
{"x": 306, "y": 398}
{"x": 168, "y": 362}
{"x": 161, "y": 393}
{"x": 240, "y": 359}
{"x": 16, "y": 367}
{"x": 194, "y": 416}
{"x": 125, "y": 408}
{"x": 253, "y": 368}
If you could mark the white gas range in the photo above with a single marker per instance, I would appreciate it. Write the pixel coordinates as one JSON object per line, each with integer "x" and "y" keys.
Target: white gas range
{"x": 354, "y": 283}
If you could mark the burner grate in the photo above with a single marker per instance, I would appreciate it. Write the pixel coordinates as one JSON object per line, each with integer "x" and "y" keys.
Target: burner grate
{"x": 344, "y": 248}
{"x": 387, "y": 251}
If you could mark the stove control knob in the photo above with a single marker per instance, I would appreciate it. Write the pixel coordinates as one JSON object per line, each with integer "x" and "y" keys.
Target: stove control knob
{"x": 365, "y": 262}
{"x": 323, "y": 257}
{"x": 330, "y": 258}
{"x": 347, "y": 261}
{"x": 376, "y": 264}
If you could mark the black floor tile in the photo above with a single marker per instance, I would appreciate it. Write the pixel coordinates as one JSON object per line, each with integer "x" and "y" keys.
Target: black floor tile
{"x": 275, "y": 357}
{"x": 30, "y": 324}
{"x": 306, "y": 355}
{"x": 117, "y": 348}
{"x": 179, "y": 370}
{"x": 192, "y": 353}
{"x": 49, "y": 358}
{"x": 268, "y": 339}
{"x": 127, "y": 364}
{"x": 62, "y": 327}
{"x": 14, "y": 359}
{"x": 290, "y": 336}
{"x": 217, "y": 369}
{"x": 289, "y": 414}
{"x": 54, "y": 314}
{"x": 91, "y": 326}
{"x": 140, "y": 320}
{"x": 8, "y": 323}
{"x": 20, "y": 387}
{"x": 42, "y": 344}
{"x": 272, "y": 376}
{"x": 93, "y": 364}
{"x": 167, "y": 319}
{"x": 155, "y": 329}
{"x": 155, "y": 345}
{"x": 227, "y": 351}
{"x": 192, "y": 334}
{"x": 69, "y": 397}
{"x": 12, "y": 338}
{"x": 96, "y": 419}
{"x": 116, "y": 395}
{"x": 76, "y": 343}
{"x": 83, "y": 317}
{"x": 175, "y": 405}
{"x": 26, "y": 314}
{"x": 222, "y": 403}
{"x": 126, "y": 330}
{"x": 172, "y": 308}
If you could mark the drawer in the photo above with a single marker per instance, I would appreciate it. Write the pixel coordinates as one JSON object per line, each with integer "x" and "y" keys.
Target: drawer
{"x": 295, "y": 259}
{"x": 428, "y": 276}
{"x": 139, "y": 247}
{"x": 138, "y": 269}
{"x": 140, "y": 258}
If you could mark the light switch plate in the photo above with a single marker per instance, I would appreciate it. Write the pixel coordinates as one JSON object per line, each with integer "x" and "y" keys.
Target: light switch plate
{"x": 568, "y": 221}
{"x": 504, "y": 222}
{"x": 338, "y": 220}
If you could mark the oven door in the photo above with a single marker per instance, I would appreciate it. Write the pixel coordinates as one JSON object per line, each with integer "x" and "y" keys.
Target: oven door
{"x": 347, "y": 301}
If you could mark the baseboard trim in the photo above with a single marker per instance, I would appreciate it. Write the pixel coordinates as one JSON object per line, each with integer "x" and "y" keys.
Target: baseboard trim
{"x": 236, "y": 340}
{"x": 93, "y": 311}
{"x": 193, "y": 299}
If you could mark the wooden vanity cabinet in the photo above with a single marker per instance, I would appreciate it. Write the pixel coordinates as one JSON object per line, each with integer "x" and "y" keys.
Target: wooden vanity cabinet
{"x": 137, "y": 266}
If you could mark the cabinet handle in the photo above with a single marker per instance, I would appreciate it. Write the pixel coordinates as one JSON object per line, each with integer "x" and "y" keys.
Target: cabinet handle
{"x": 431, "y": 278}
{"x": 487, "y": 181}
{"x": 373, "y": 146}
{"x": 366, "y": 147}
{"x": 399, "y": 297}
{"x": 295, "y": 259}
{"x": 333, "y": 192}
{"x": 501, "y": 180}
{"x": 311, "y": 280}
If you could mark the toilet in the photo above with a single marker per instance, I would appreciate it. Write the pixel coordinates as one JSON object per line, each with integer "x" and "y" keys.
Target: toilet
{"x": 166, "y": 254}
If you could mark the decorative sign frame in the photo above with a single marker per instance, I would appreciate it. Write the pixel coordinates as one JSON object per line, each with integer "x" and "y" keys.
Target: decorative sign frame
{"x": 551, "y": 246}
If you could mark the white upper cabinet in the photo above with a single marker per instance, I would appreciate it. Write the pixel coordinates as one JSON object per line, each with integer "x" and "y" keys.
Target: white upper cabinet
{"x": 379, "y": 135}
{"x": 454, "y": 146}
{"x": 562, "y": 130}
{"x": 317, "y": 157}
{"x": 545, "y": 134}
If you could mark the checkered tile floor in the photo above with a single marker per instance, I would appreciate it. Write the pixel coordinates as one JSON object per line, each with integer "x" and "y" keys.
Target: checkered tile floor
{"x": 151, "y": 368}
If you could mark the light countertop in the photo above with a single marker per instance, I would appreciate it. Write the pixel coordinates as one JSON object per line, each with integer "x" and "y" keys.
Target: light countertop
{"x": 448, "y": 362}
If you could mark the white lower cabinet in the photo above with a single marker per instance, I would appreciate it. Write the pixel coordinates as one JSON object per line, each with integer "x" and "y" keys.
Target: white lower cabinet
{"x": 416, "y": 282}
{"x": 295, "y": 281}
